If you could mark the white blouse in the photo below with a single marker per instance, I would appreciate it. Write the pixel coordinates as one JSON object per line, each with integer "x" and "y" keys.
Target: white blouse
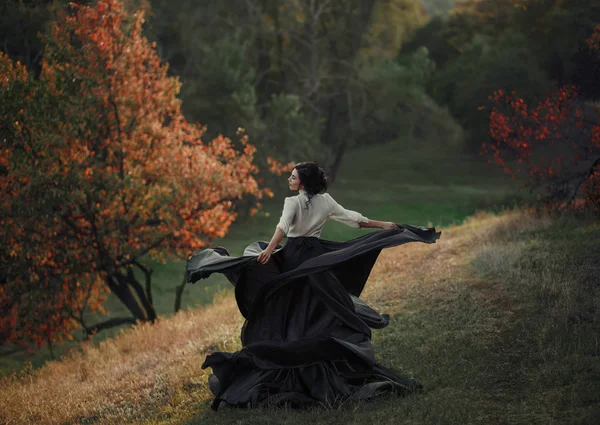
{"x": 298, "y": 219}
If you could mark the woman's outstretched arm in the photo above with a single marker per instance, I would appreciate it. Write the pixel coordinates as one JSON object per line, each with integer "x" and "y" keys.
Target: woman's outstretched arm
{"x": 379, "y": 224}
{"x": 355, "y": 219}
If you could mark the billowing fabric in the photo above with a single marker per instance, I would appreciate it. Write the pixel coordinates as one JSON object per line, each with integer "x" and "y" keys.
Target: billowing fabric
{"x": 307, "y": 334}
{"x": 301, "y": 217}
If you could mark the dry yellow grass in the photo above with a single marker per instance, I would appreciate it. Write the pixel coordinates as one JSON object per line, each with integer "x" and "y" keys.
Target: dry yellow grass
{"x": 126, "y": 377}
{"x": 423, "y": 269}
{"x": 153, "y": 371}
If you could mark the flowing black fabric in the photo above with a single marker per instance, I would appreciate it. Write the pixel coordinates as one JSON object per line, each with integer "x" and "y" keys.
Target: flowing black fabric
{"x": 307, "y": 334}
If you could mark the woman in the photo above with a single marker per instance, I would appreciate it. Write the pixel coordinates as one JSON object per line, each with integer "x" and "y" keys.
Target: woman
{"x": 307, "y": 335}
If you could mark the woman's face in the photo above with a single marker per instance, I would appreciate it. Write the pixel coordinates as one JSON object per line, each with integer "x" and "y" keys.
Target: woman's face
{"x": 294, "y": 181}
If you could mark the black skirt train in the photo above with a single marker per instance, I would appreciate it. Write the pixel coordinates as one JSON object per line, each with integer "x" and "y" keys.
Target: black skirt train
{"x": 307, "y": 335}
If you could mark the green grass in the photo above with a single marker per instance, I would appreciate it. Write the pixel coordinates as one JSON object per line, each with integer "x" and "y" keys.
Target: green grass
{"x": 510, "y": 338}
{"x": 553, "y": 277}
{"x": 383, "y": 182}
{"x": 515, "y": 342}
{"x": 439, "y": 346}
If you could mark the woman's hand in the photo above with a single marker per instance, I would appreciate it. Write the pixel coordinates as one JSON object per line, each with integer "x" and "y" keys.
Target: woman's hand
{"x": 264, "y": 256}
{"x": 390, "y": 225}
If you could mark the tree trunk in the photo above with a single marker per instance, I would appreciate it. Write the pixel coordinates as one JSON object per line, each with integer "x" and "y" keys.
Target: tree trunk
{"x": 126, "y": 287}
{"x": 110, "y": 323}
{"x": 337, "y": 114}
{"x": 328, "y": 136}
{"x": 118, "y": 286}
{"x": 144, "y": 298}
{"x": 337, "y": 161}
{"x": 279, "y": 41}
{"x": 179, "y": 294}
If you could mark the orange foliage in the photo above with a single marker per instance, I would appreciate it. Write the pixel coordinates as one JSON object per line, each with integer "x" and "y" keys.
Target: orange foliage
{"x": 99, "y": 167}
{"x": 278, "y": 168}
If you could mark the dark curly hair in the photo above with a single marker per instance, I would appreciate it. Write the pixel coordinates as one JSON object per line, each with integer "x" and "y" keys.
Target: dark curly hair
{"x": 313, "y": 177}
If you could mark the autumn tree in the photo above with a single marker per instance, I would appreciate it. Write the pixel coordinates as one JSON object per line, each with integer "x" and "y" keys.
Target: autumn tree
{"x": 556, "y": 143}
{"x": 98, "y": 170}
{"x": 528, "y": 46}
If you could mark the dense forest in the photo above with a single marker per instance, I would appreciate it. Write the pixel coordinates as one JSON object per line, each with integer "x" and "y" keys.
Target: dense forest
{"x": 314, "y": 78}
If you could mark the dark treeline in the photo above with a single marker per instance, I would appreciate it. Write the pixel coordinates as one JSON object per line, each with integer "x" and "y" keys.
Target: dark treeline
{"x": 310, "y": 79}
{"x": 530, "y": 46}
{"x": 306, "y": 78}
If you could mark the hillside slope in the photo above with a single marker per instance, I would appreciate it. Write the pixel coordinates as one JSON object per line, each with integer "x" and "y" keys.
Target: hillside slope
{"x": 404, "y": 181}
{"x": 499, "y": 321}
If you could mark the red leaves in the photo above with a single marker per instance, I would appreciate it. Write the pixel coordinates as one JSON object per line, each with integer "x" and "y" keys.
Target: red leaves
{"x": 594, "y": 40}
{"x": 277, "y": 168}
{"x": 591, "y": 191}
{"x": 547, "y": 139}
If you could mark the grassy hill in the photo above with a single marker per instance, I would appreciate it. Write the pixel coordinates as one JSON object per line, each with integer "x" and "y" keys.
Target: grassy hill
{"x": 499, "y": 320}
{"x": 386, "y": 182}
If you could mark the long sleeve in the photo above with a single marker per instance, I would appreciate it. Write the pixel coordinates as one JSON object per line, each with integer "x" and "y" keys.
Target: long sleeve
{"x": 287, "y": 215}
{"x": 341, "y": 214}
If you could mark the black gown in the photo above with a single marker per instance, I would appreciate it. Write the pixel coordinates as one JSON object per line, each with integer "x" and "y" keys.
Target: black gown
{"x": 307, "y": 335}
